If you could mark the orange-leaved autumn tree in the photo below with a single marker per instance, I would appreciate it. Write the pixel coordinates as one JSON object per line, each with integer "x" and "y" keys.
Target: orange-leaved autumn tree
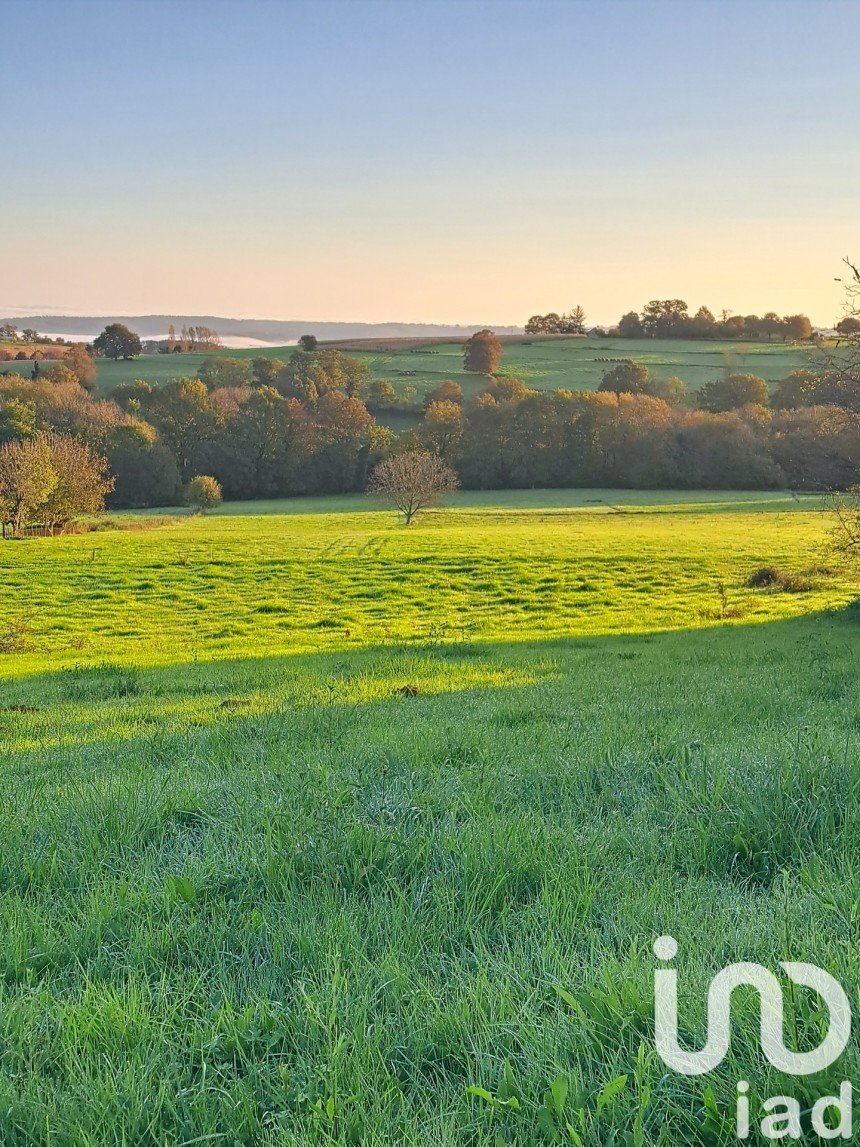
{"x": 482, "y": 353}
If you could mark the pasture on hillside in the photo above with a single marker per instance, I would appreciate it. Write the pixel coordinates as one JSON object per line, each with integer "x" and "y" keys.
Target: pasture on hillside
{"x": 323, "y": 830}
{"x": 548, "y": 364}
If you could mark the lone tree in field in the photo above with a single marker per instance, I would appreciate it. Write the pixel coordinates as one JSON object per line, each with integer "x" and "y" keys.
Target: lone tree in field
{"x": 482, "y": 353}
{"x": 203, "y": 493}
{"x": 117, "y": 341}
{"x": 308, "y": 343}
{"x": 412, "y": 482}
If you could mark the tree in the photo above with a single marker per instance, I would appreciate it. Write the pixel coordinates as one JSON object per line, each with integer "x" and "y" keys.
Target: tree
{"x": 203, "y": 493}
{"x": 630, "y": 326}
{"x": 380, "y": 395}
{"x": 82, "y": 481}
{"x": 145, "y": 470}
{"x": 17, "y": 420}
{"x": 79, "y": 360}
{"x": 848, "y": 326}
{"x": 217, "y": 371}
{"x": 262, "y": 446}
{"x": 441, "y": 432}
{"x": 702, "y": 324}
{"x": 446, "y": 391}
{"x": 732, "y": 392}
{"x": 342, "y": 433}
{"x": 183, "y": 414}
{"x": 672, "y": 390}
{"x": 117, "y": 341}
{"x": 412, "y": 482}
{"x": 573, "y": 323}
{"x": 265, "y": 371}
{"x": 482, "y": 353}
{"x": 817, "y": 447}
{"x": 846, "y": 529}
{"x": 27, "y": 478}
{"x": 628, "y": 377}
{"x": 798, "y": 389}
{"x": 308, "y": 343}
{"x": 665, "y": 318}
{"x": 770, "y": 324}
{"x": 796, "y": 327}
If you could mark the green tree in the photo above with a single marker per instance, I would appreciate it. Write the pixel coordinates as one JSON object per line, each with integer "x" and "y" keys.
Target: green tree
{"x": 630, "y": 326}
{"x": 203, "y": 493}
{"x": 665, "y": 318}
{"x": 82, "y": 481}
{"x": 627, "y": 377}
{"x": 308, "y": 343}
{"x": 219, "y": 371}
{"x": 265, "y": 371}
{"x": 17, "y": 419}
{"x": 183, "y": 414}
{"x": 60, "y": 375}
{"x": 27, "y": 479}
{"x": 145, "y": 469}
{"x": 380, "y": 395}
{"x": 117, "y": 341}
{"x": 733, "y": 392}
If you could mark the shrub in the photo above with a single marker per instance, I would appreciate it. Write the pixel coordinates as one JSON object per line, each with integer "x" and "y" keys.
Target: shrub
{"x": 769, "y": 577}
{"x": 203, "y": 493}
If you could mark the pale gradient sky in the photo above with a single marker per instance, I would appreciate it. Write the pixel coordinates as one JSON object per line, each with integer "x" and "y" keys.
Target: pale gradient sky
{"x": 435, "y": 161}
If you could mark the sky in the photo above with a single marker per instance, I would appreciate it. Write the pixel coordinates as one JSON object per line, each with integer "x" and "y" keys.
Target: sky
{"x": 433, "y": 161}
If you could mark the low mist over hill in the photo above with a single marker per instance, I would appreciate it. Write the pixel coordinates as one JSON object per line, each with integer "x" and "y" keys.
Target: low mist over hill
{"x": 275, "y": 331}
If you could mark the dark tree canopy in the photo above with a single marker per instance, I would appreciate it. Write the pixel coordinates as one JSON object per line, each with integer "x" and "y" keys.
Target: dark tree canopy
{"x": 627, "y": 378}
{"x": 117, "y": 341}
{"x": 733, "y": 392}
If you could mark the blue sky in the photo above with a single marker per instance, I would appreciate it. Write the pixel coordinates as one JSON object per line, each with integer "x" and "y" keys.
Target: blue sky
{"x": 436, "y": 161}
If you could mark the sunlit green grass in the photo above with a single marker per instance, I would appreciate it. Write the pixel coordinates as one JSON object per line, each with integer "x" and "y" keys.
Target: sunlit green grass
{"x": 568, "y": 565}
{"x": 313, "y": 822}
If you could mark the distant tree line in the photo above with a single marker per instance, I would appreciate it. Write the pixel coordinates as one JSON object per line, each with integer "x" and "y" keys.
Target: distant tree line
{"x": 671, "y": 319}
{"x": 572, "y": 323}
{"x": 190, "y": 339}
{"x": 306, "y": 425}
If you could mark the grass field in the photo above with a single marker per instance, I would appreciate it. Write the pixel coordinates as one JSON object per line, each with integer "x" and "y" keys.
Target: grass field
{"x": 313, "y": 823}
{"x": 576, "y": 363}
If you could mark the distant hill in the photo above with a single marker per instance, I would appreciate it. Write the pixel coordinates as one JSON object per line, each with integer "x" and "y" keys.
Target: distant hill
{"x": 275, "y": 331}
